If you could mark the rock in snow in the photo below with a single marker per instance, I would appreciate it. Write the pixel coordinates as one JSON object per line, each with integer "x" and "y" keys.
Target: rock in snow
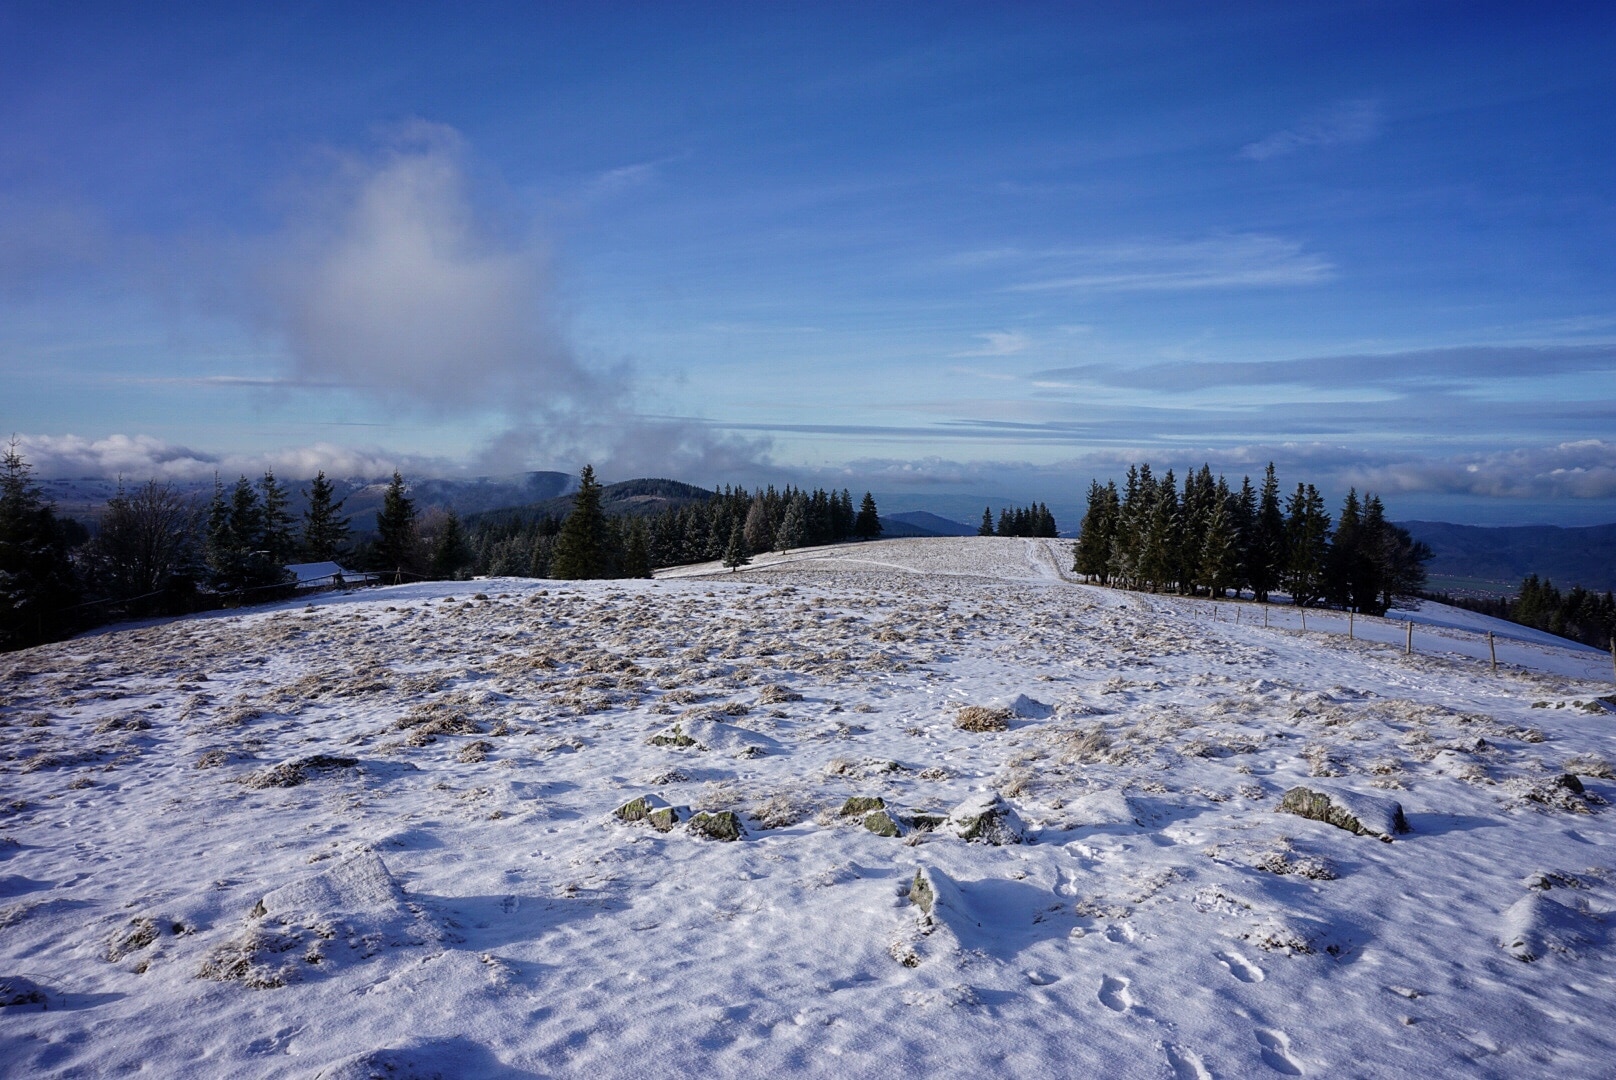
{"x": 1366, "y": 815}
{"x": 1537, "y": 924}
{"x": 986, "y": 819}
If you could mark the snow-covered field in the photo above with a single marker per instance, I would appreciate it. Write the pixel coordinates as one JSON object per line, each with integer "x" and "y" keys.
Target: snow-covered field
{"x": 376, "y": 835}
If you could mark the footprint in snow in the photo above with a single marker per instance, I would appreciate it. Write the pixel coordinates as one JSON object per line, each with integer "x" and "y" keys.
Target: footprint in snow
{"x": 1114, "y": 994}
{"x": 1120, "y": 933}
{"x": 1276, "y": 1052}
{"x": 509, "y": 905}
{"x": 1186, "y": 1064}
{"x": 1240, "y": 967}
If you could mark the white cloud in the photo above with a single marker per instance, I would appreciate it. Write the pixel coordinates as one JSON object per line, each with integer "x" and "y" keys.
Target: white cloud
{"x": 998, "y": 343}
{"x": 143, "y": 457}
{"x": 1346, "y": 122}
{"x": 1242, "y": 260}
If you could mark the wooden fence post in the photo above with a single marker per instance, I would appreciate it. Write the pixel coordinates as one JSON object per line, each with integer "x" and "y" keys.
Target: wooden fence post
{"x": 1304, "y": 620}
{"x": 1265, "y": 616}
{"x": 1350, "y": 635}
{"x": 1492, "y": 651}
{"x": 1408, "y": 640}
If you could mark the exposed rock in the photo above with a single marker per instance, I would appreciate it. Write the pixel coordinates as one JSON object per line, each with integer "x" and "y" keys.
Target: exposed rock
{"x": 986, "y": 819}
{"x": 16, "y": 990}
{"x": 921, "y": 892}
{"x": 862, "y": 804}
{"x": 638, "y": 809}
{"x": 1365, "y": 815}
{"x": 722, "y": 825}
{"x": 664, "y": 818}
{"x": 882, "y": 823}
{"x": 1536, "y": 925}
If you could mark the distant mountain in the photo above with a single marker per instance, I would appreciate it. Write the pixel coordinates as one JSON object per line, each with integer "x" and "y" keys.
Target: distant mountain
{"x": 85, "y": 498}
{"x": 634, "y": 498}
{"x": 1493, "y": 560}
{"x": 924, "y": 523}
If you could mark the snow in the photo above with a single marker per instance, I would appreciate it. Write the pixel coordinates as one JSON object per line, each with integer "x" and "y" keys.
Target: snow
{"x": 463, "y": 901}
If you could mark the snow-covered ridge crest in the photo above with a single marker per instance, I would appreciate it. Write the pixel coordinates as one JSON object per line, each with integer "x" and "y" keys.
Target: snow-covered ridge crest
{"x": 489, "y": 862}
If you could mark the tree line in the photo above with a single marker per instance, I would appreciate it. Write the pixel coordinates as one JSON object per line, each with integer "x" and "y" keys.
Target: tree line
{"x": 1579, "y": 614}
{"x": 729, "y": 525}
{"x": 160, "y": 551}
{"x": 1210, "y": 538}
{"x": 1034, "y": 520}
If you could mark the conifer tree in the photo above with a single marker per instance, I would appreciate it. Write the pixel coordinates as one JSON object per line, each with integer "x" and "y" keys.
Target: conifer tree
{"x": 37, "y": 583}
{"x": 396, "y": 535}
{"x": 735, "y": 555}
{"x": 1307, "y": 535}
{"x": 1265, "y": 558}
{"x": 1092, "y": 552}
{"x": 580, "y": 550}
{"x": 636, "y": 550}
{"x": 451, "y": 553}
{"x": 280, "y": 546}
{"x": 759, "y": 525}
{"x": 986, "y": 528}
{"x": 325, "y": 532}
{"x": 793, "y": 525}
{"x": 868, "y": 524}
{"x": 1219, "y": 567}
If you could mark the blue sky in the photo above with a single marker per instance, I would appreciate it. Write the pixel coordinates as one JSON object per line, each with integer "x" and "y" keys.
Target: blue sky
{"x": 993, "y": 249}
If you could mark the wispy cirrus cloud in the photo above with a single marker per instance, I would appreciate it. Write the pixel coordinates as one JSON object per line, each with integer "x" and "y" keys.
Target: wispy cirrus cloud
{"x": 1233, "y": 261}
{"x": 1346, "y": 122}
{"x": 1452, "y": 369}
{"x": 998, "y": 343}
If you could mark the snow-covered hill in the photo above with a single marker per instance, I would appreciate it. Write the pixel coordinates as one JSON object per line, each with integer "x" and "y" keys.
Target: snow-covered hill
{"x": 375, "y": 835}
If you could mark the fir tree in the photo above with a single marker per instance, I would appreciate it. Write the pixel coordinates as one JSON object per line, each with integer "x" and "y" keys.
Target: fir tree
{"x": 396, "y": 535}
{"x": 1307, "y": 535}
{"x": 325, "y": 533}
{"x": 636, "y": 550}
{"x": 580, "y": 550}
{"x": 759, "y": 526}
{"x": 1219, "y": 567}
{"x": 1265, "y": 558}
{"x": 279, "y": 545}
{"x": 37, "y": 583}
{"x": 793, "y": 526}
{"x": 868, "y": 524}
{"x": 451, "y": 553}
{"x": 735, "y": 555}
{"x": 1092, "y": 552}
{"x": 986, "y": 528}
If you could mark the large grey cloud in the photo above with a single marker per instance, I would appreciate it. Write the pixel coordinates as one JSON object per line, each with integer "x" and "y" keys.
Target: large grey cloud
{"x": 400, "y": 278}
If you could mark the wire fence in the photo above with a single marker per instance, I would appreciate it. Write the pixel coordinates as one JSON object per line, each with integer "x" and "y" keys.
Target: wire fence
{"x": 1413, "y": 637}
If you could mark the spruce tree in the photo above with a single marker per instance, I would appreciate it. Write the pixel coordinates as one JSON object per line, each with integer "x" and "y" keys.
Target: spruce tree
{"x": 793, "y": 525}
{"x": 325, "y": 533}
{"x": 279, "y": 545}
{"x": 37, "y": 583}
{"x": 1307, "y": 535}
{"x": 451, "y": 553}
{"x": 759, "y": 525}
{"x": 396, "y": 536}
{"x": 735, "y": 555}
{"x": 580, "y": 549}
{"x": 986, "y": 528}
{"x": 636, "y": 550}
{"x": 1092, "y": 552}
{"x": 1219, "y": 567}
{"x": 868, "y": 524}
{"x": 1265, "y": 558}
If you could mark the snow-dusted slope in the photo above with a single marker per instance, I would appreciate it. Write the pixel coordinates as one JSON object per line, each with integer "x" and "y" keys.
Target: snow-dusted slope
{"x": 375, "y": 836}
